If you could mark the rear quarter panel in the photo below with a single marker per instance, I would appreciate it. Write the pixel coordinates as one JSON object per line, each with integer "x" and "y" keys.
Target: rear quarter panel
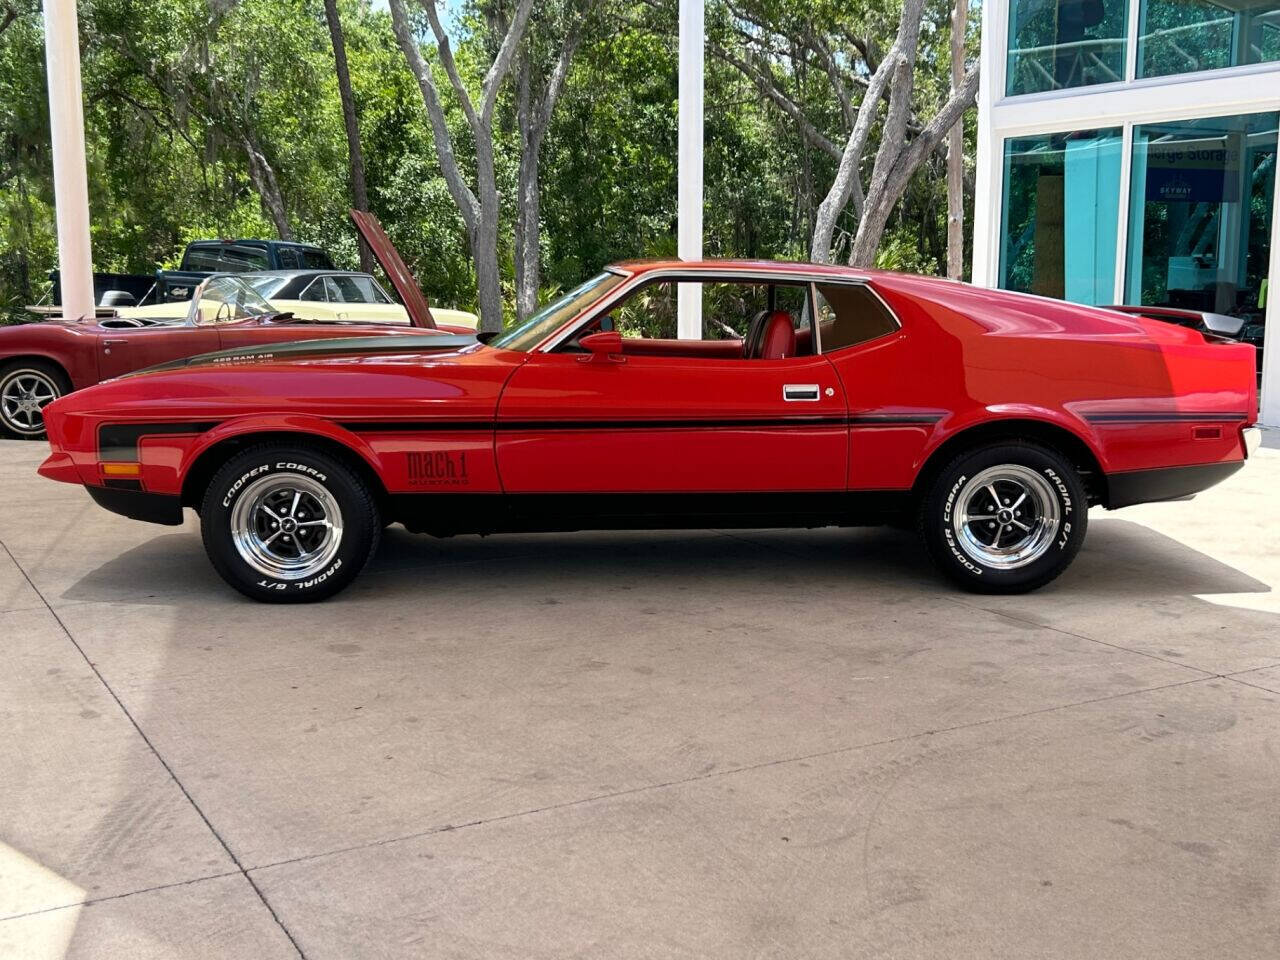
{"x": 1139, "y": 394}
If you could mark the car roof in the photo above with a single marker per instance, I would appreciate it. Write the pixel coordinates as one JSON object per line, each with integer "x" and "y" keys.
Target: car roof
{"x": 313, "y": 272}
{"x": 779, "y": 268}
{"x": 252, "y": 242}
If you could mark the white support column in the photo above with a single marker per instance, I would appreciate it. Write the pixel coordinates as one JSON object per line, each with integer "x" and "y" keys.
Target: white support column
{"x": 988, "y": 173}
{"x": 70, "y": 177}
{"x": 1269, "y": 412}
{"x": 689, "y": 230}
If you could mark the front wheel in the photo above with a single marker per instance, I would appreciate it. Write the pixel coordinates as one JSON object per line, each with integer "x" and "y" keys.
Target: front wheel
{"x": 285, "y": 523}
{"x": 1006, "y": 518}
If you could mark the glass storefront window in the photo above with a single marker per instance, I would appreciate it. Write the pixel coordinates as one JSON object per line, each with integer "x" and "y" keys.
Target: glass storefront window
{"x": 1055, "y": 44}
{"x": 1060, "y": 215}
{"x": 1200, "y": 214}
{"x": 1183, "y": 36}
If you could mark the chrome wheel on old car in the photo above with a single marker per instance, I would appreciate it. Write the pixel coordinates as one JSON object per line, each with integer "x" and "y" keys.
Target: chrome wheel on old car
{"x": 288, "y": 523}
{"x": 285, "y": 527}
{"x": 25, "y": 390}
{"x": 1005, "y": 518}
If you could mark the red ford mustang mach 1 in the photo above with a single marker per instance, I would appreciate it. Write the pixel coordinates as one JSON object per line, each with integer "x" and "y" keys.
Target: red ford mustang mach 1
{"x": 818, "y": 395}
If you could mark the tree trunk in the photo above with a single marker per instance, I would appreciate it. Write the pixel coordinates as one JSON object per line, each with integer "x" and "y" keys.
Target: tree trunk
{"x": 955, "y": 150}
{"x": 533, "y": 118}
{"x": 485, "y": 245}
{"x": 264, "y": 181}
{"x": 479, "y": 209}
{"x": 359, "y": 191}
{"x": 887, "y": 189}
{"x": 848, "y": 183}
{"x": 526, "y": 226}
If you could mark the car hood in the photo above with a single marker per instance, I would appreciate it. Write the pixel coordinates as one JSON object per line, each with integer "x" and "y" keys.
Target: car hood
{"x": 306, "y": 350}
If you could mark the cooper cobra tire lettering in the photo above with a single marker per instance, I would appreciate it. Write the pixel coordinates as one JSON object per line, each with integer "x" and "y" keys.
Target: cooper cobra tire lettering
{"x": 236, "y": 549}
{"x": 946, "y": 527}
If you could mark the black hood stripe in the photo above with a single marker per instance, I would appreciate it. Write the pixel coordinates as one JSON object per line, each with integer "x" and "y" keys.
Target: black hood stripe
{"x": 307, "y": 349}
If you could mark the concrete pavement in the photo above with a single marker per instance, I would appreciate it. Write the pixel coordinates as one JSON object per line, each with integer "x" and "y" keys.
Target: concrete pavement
{"x": 685, "y": 744}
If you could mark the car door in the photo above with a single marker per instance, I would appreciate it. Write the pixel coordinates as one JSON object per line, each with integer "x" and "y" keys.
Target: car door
{"x": 122, "y": 351}
{"x": 672, "y": 416}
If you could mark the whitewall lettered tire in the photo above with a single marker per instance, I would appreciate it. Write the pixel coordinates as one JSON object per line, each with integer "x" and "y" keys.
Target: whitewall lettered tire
{"x": 285, "y": 523}
{"x": 1005, "y": 518}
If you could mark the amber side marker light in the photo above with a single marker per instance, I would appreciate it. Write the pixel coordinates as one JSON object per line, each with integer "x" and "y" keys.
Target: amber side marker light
{"x": 122, "y": 469}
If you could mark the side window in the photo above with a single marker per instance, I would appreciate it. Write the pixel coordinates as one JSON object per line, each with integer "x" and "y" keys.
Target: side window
{"x": 348, "y": 291}
{"x": 314, "y": 292}
{"x": 201, "y": 259}
{"x": 736, "y": 316}
{"x": 378, "y": 294}
{"x": 849, "y": 314}
{"x": 288, "y": 258}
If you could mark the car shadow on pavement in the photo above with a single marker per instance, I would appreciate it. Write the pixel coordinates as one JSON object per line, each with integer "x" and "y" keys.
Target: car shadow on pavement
{"x": 1120, "y": 559}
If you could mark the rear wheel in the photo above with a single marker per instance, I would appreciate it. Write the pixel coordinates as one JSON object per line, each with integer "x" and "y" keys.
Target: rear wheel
{"x": 1006, "y": 518}
{"x": 26, "y": 388}
{"x": 285, "y": 523}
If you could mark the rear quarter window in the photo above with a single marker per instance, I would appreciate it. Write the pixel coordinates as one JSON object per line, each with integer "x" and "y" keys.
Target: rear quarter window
{"x": 313, "y": 259}
{"x": 849, "y": 314}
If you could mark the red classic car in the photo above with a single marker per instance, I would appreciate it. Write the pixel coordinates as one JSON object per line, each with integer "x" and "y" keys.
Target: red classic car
{"x": 40, "y": 362}
{"x": 818, "y": 395}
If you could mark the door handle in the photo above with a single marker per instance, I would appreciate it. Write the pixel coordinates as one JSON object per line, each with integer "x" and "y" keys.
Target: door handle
{"x": 113, "y": 343}
{"x": 793, "y": 392}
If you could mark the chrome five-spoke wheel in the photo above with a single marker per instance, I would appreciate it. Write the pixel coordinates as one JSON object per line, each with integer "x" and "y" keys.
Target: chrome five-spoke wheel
{"x": 287, "y": 526}
{"x": 1006, "y": 516}
{"x": 24, "y": 394}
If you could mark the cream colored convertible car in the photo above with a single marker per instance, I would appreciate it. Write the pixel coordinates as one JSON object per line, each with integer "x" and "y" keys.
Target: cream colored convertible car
{"x": 326, "y": 296}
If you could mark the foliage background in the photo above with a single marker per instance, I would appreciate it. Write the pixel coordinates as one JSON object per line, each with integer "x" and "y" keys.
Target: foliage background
{"x": 171, "y": 89}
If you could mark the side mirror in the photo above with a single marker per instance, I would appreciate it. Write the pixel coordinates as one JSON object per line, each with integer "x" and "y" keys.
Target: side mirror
{"x": 605, "y": 345}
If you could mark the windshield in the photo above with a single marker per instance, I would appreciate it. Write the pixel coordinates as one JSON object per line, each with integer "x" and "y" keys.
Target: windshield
{"x": 265, "y": 284}
{"x": 224, "y": 299}
{"x": 539, "y": 326}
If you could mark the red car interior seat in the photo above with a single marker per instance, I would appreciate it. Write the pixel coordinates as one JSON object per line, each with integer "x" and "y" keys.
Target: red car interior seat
{"x": 772, "y": 336}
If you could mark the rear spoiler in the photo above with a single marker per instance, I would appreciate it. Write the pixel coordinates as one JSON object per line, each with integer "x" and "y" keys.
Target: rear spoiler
{"x": 1219, "y": 323}
{"x": 398, "y": 273}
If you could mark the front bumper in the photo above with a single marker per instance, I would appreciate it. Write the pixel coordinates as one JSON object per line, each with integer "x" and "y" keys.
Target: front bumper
{"x": 59, "y": 466}
{"x": 139, "y": 505}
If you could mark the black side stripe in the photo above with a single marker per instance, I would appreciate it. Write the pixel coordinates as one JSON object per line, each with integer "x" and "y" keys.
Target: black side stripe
{"x": 412, "y": 426}
{"x": 893, "y": 419}
{"x": 1139, "y": 416}
{"x": 119, "y": 441}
